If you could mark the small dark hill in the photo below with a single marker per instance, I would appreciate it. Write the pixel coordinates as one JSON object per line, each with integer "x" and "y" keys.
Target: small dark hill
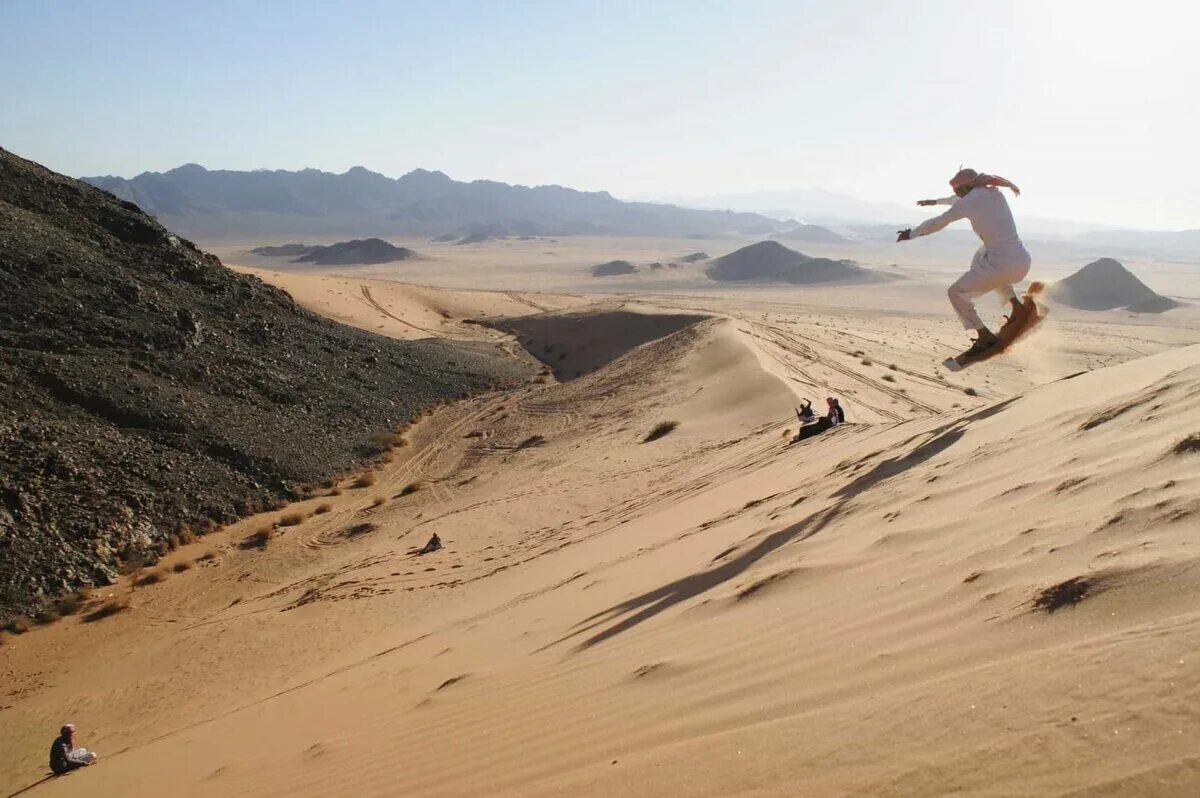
{"x": 473, "y": 238}
{"x": 770, "y": 261}
{"x": 143, "y": 385}
{"x": 284, "y": 250}
{"x": 812, "y": 233}
{"x": 357, "y": 252}
{"x": 694, "y": 257}
{"x": 613, "y": 268}
{"x": 1104, "y": 285}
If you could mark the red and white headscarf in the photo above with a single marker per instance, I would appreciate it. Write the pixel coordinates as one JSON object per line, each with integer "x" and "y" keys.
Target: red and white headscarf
{"x": 969, "y": 177}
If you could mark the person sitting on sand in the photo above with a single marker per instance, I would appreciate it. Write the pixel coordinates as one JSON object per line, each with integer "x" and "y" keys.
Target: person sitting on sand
{"x": 64, "y": 756}
{"x": 434, "y": 544}
{"x": 831, "y": 419}
{"x": 805, "y": 413}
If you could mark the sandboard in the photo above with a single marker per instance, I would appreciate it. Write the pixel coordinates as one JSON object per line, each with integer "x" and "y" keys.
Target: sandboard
{"x": 1008, "y": 335}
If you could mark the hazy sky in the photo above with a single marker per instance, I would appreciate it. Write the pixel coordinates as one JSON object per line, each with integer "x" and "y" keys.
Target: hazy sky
{"x": 1090, "y": 106}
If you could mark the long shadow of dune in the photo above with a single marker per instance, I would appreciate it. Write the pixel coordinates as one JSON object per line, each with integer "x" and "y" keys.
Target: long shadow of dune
{"x": 644, "y": 607}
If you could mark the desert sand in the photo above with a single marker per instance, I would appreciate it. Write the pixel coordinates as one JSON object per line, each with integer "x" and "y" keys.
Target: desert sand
{"x": 984, "y": 584}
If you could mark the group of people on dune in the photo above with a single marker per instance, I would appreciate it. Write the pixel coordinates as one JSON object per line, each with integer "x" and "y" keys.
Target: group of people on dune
{"x": 811, "y": 424}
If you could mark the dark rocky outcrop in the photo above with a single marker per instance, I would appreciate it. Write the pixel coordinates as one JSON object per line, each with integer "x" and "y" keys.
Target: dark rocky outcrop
{"x": 283, "y": 250}
{"x": 357, "y": 252}
{"x": 1104, "y": 285}
{"x": 613, "y": 268}
{"x": 770, "y": 261}
{"x": 144, "y": 385}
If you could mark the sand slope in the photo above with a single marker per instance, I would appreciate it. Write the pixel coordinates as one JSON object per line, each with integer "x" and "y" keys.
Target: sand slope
{"x": 989, "y": 595}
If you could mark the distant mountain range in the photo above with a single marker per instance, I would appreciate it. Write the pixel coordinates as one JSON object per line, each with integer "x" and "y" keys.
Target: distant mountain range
{"x": 199, "y": 202}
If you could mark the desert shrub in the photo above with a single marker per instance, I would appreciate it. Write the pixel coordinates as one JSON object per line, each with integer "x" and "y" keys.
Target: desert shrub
{"x": 364, "y": 481}
{"x": 18, "y": 625}
{"x": 378, "y": 501}
{"x": 181, "y": 566}
{"x": 888, "y": 378}
{"x": 410, "y": 489}
{"x": 970, "y": 392}
{"x": 661, "y": 430}
{"x": 173, "y": 542}
{"x": 207, "y": 556}
{"x": 291, "y": 519}
{"x": 323, "y": 508}
{"x": 109, "y": 608}
{"x": 258, "y": 539}
{"x": 531, "y": 441}
{"x": 892, "y": 366}
{"x": 866, "y": 361}
{"x": 335, "y": 492}
{"x": 71, "y": 603}
{"x": 150, "y": 578}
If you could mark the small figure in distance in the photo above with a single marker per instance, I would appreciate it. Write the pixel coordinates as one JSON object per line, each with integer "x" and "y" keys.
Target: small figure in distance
{"x": 805, "y": 413}
{"x": 434, "y": 544}
{"x": 64, "y": 756}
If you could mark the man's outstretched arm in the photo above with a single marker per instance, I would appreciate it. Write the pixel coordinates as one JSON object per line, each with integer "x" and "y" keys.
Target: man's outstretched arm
{"x": 953, "y": 198}
{"x": 953, "y": 214}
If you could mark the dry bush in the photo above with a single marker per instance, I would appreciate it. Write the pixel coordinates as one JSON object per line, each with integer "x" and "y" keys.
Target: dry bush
{"x": 365, "y": 481}
{"x": 531, "y": 441}
{"x": 892, "y": 366}
{"x": 335, "y": 492}
{"x": 259, "y": 539}
{"x": 409, "y": 489}
{"x": 323, "y": 508}
{"x": 661, "y": 430}
{"x": 180, "y": 567}
{"x": 888, "y": 378}
{"x": 18, "y": 625}
{"x": 151, "y": 578}
{"x": 474, "y": 434}
{"x": 111, "y": 607}
{"x": 186, "y": 535}
{"x": 207, "y": 556}
{"x": 378, "y": 501}
{"x": 173, "y": 542}
{"x": 278, "y": 504}
{"x": 970, "y": 392}
{"x": 387, "y": 440}
{"x": 866, "y": 361}
{"x": 71, "y": 603}
{"x": 291, "y": 519}
{"x": 45, "y": 616}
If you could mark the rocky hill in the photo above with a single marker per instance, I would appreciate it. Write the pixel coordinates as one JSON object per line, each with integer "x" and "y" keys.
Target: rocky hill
{"x": 356, "y": 252}
{"x": 1104, "y": 285}
{"x": 770, "y": 261}
{"x": 200, "y": 202}
{"x": 143, "y": 386}
{"x": 613, "y": 268}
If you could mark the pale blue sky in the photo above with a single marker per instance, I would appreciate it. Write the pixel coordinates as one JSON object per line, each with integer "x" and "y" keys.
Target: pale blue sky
{"x": 1090, "y": 108}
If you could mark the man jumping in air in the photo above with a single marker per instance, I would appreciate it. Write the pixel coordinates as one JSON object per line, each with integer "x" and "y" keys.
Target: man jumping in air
{"x": 997, "y": 265}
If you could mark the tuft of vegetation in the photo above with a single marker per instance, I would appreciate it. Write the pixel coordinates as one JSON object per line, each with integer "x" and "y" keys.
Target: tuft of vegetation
{"x": 109, "y": 608}
{"x": 1064, "y": 594}
{"x": 322, "y": 508}
{"x": 207, "y": 556}
{"x": 531, "y": 441}
{"x": 970, "y": 392}
{"x": 409, "y": 489}
{"x": 335, "y": 492}
{"x": 18, "y": 625}
{"x": 71, "y": 603}
{"x": 888, "y": 378}
{"x": 292, "y": 519}
{"x": 866, "y": 361}
{"x": 378, "y": 501}
{"x": 1188, "y": 445}
{"x": 150, "y": 578}
{"x": 181, "y": 566}
{"x": 259, "y": 539}
{"x": 892, "y": 366}
{"x": 364, "y": 481}
{"x": 660, "y": 431}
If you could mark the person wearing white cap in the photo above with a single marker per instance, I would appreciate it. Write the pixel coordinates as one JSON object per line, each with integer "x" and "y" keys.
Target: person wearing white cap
{"x": 997, "y": 265}
{"x": 64, "y": 756}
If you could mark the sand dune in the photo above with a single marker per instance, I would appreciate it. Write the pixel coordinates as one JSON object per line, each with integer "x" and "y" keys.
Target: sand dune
{"x": 990, "y": 592}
